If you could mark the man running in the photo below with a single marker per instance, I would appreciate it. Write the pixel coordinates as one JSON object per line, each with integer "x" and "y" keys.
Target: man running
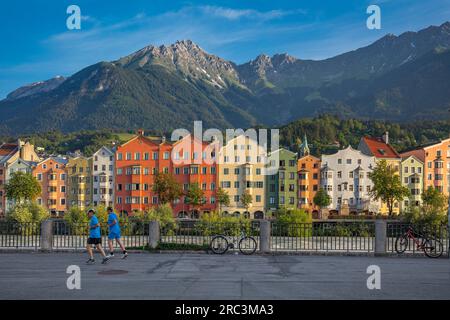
{"x": 94, "y": 239}
{"x": 114, "y": 234}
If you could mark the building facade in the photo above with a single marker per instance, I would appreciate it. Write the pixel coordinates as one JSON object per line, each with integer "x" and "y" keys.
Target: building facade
{"x": 345, "y": 177}
{"x": 435, "y": 158}
{"x": 281, "y": 187}
{"x": 79, "y": 182}
{"x": 241, "y": 166}
{"x": 194, "y": 162}
{"x": 103, "y": 177}
{"x": 380, "y": 148}
{"x": 10, "y": 153}
{"x": 51, "y": 174}
{"x": 138, "y": 161}
{"x": 18, "y": 165}
{"x": 308, "y": 171}
{"x": 412, "y": 178}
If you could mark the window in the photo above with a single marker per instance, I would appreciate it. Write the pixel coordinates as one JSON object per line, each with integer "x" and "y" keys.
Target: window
{"x": 128, "y": 156}
{"x": 226, "y": 171}
{"x": 258, "y": 198}
{"x": 119, "y": 171}
{"x": 166, "y": 155}
{"x": 349, "y": 161}
{"x": 146, "y": 156}
{"x": 236, "y": 198}
{"x": 155, "y": 155}
{"x": 236, "y": 171}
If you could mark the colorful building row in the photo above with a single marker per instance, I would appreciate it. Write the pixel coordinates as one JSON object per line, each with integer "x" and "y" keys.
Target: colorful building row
{"x": 124, "y": 177}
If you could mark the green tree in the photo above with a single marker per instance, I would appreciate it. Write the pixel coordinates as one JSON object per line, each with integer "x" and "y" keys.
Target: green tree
{"x": 246, "y": 199}
{"x": 29, "y": 212}
{"x": 167, "y": 188}
{"x": 434, "y": 201}
{"x": 223, "y": 199}
{"x": 194, "y": 196}
{"x": 322, "y": 199}
{"x": 387, "y": 185}
{"x": 22, "y": 187}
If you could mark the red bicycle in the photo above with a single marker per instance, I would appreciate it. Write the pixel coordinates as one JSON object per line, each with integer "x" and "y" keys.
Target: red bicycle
{"x": 431, "y": 246}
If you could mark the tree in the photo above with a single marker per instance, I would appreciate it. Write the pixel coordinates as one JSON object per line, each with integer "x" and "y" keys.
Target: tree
{"x": 434, "y": 201}
{"x": 22, "y": 187}
{"x": 194, "y": 196}
{"x": 167, "y": 188}
{"x": 28, "y": 213}
{"x": 246, "y": 199}
{"x": 223, "y": 199}
{"x": 322, "y": 199}
{"x": 387, "y": 185}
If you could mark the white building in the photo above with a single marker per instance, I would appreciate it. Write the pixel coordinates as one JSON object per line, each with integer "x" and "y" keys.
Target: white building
{"x": 103, "y": 177}
{"x": 345, "y": 177}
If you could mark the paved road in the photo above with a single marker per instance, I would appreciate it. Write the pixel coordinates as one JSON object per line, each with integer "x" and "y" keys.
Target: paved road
{"x": 200, "y": 276}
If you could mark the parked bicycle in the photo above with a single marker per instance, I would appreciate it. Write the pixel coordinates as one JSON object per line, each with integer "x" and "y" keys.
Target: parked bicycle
{"x": 432, "y": 247}
{"x": 220, "y": 244}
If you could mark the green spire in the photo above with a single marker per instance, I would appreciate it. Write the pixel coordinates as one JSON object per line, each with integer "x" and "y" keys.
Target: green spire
{"x": 304, "y": 148}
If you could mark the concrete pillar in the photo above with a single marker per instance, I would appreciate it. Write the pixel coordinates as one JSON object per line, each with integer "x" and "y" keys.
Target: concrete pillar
{"x": 264, "y": 236}
{"x": 380, "y": 236}
{"x": 47, "y": 235}
{"x": 153, "y": 234}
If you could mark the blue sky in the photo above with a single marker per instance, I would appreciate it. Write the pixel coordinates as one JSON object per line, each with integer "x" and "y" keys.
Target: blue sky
{"x": 36, "y": 45}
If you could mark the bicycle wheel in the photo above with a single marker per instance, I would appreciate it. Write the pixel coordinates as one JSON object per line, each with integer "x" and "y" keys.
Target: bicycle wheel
{"x": 433, "y": 248}
{"x": 247, "y": 245}
{"x": 401, "y": 244}
{"x": 219, "y": 245}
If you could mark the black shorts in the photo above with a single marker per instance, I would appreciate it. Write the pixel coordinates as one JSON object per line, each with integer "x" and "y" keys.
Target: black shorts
{"x": 94, "y": 241}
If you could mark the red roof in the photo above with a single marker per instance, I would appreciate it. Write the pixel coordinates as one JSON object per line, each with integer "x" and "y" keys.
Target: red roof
{"x": 419, "y": 154}
{"x": 7, "y": 148}
{"x": 379, "y": 148}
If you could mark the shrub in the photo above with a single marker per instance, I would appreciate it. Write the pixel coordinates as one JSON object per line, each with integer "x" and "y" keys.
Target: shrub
{"x": 214, "y": 223}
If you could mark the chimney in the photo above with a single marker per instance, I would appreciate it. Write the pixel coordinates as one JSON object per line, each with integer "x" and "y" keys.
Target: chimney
{"x": 141, "y": 132}
{"x": 385, "y": 137}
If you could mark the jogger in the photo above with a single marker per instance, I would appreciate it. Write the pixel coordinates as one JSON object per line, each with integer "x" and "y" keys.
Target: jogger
{"x": 94, "y": 239}
{"x": 114, "y": 234}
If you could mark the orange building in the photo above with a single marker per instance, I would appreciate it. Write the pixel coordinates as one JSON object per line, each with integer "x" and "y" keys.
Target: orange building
{"x": 141, "y": 158}
{"x": 436, "y": 159}
{"x": 137, "y": 163}
{"x": 194, "y": 162}
{"x": 51, "y": 174}
{"x": 308, "y": 168}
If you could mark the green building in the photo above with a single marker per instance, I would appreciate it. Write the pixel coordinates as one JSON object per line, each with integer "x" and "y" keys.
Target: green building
{"x": 281, "y": 187}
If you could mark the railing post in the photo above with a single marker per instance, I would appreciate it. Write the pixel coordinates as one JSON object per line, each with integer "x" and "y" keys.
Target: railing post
{"x": 264, "y": 236}
{"x": 47, "y": 235}
{"x": 153, "y": 234}
{"x": 380, "y": 236}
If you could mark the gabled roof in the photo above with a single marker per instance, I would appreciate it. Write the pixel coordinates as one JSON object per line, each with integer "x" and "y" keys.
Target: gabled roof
{"x": 309, "y": 156}
{"x": 8, "y": 148}
{"x": 418, "y": 154}
{"x": 108, "y": 150}
{"x": 379, "y": 148}
{"x": 407, "y": 155}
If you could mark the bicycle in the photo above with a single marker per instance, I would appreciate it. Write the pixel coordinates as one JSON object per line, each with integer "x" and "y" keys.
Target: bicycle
{"x": 220, "y": 244}
{"x": 432, "y": 247}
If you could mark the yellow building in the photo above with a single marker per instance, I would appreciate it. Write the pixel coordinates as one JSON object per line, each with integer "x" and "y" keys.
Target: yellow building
{"x": 241, "y": 165}
{"x": 412, "y": 178}
{"x": 79, "y": 182}
{"x": 380, "y": 148}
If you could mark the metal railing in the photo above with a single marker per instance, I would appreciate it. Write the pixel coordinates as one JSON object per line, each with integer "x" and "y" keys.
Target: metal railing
{"x": 74, "y": 236}
{"x": 197, "y": 234}
{"x": 19, "y": 235}
{"x": 395, "y": 229}
{"x": 322, "y": 236}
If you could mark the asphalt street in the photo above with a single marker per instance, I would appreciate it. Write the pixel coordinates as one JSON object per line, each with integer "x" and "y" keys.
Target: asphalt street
{"x": 204, "y": 276}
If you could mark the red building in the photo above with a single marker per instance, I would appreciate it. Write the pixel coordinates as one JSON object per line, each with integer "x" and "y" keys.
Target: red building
{"x": 194, "y": 162}
{"x": 141, "y": 158}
